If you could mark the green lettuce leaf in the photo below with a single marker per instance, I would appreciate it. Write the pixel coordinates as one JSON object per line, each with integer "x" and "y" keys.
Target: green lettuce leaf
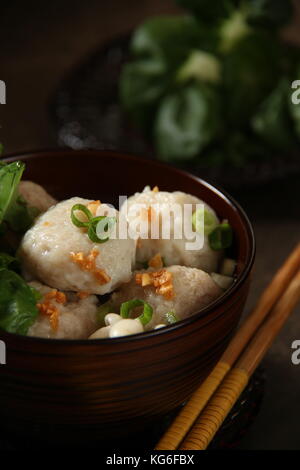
{"x": 14, "y": 210}
{"x": 18, "y": 309}
{"x": 186, "y": 122}
{"x": 10, "y": 177}
{"x": 272, "y": 121}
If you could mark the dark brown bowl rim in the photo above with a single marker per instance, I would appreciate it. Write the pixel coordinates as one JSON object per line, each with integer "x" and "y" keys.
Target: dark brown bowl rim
{"x": 162, "y": 166}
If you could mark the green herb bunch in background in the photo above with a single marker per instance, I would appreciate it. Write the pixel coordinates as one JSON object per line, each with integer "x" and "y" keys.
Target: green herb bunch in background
{"x": 214, "y": 85}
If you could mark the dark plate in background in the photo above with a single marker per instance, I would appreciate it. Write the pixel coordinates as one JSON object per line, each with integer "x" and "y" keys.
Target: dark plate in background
{"x": 87, "y": 114}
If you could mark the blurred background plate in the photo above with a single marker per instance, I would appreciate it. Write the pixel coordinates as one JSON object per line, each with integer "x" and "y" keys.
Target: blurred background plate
{"x": 87, "y": 114}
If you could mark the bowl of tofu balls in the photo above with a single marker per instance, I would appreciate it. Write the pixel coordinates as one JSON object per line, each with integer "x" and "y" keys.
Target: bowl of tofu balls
{"x": 122, "y": 281}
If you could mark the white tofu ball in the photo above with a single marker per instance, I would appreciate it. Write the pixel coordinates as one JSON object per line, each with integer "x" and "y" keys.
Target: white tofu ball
{"x": 173, "y": 251}
{"x": 74, "y": 318}
{"x": 36, "y": 196}
{"x": 62, "y": 255}
{"x": 193, "y": 289}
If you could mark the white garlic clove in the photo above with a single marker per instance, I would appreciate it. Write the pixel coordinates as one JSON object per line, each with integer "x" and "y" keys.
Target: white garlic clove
{"x": 126, "y": 327}
{"x": 101, "y": 333}
{"x": 112, "y": 318}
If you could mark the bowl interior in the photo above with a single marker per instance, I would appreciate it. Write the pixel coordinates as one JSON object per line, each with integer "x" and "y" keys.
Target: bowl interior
{"x": 106, "y": 175}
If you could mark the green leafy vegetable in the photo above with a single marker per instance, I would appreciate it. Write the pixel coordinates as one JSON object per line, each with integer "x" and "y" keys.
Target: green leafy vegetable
{"x": 206, "y": 88}
{"x": 10, "y": 176}
{"x": 202, "y": 66}
{"x": 221, "y": 237}
{"x": 232, "y": 30}
{"x": 145, "y": 317}
{"x": 13, "y": 209}
{"x": 269, "y": 13}
{"x": 208, "y": 11}
{"x": 166, "y": 40}
{"x": 142, "y": 85}
{"x": 20, "y": 217}
{"x": 7, "y": 260}
{"x": 158, "y": 47}
{"x": 250, "y": 71}
{"x": 272, "y": 121}
{"x": 263, "y": 13}
{"x": 18, "y": 309}
{"x": 186, "y": 122}
{"x": 238, "y": 148}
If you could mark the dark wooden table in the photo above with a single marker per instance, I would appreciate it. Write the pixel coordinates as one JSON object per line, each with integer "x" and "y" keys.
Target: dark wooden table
{"x": 39, "y": 42}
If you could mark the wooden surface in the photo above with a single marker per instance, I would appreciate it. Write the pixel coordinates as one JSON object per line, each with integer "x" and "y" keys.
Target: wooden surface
{"x": 39, "y": 44}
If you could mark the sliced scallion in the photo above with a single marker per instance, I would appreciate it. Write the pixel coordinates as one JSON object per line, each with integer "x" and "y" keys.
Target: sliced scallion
{"x": 108, "y": 223}
{"x": 87, "y": 213}
{"x": 145, "y": 317}
{"x": 201, "y": 217}
{"x": 221, "y": 237}
{"x": 92, "y": 223}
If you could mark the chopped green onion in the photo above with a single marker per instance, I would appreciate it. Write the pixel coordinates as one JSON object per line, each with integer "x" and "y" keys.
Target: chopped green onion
{"x": 92, "y": 230}
{"x": 85, "y": 210}
{"x": 145, "y": 317}
{"x": 92, "y": 223}
{"x": 171, "y": 318}
{"x": 221, "y": 237}
{"x": 203, "y": 216}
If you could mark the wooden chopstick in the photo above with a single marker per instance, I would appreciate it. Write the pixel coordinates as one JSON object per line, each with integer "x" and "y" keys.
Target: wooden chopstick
{"x": 188, "y": 415}
{"x": 231, "y": 388}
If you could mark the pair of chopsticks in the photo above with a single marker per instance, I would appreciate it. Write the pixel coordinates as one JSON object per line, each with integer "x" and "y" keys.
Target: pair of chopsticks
{"x": 199, "y": 420}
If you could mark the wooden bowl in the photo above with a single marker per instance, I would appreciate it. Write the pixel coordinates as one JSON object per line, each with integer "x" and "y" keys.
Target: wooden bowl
{"x": 71, "y": 390}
